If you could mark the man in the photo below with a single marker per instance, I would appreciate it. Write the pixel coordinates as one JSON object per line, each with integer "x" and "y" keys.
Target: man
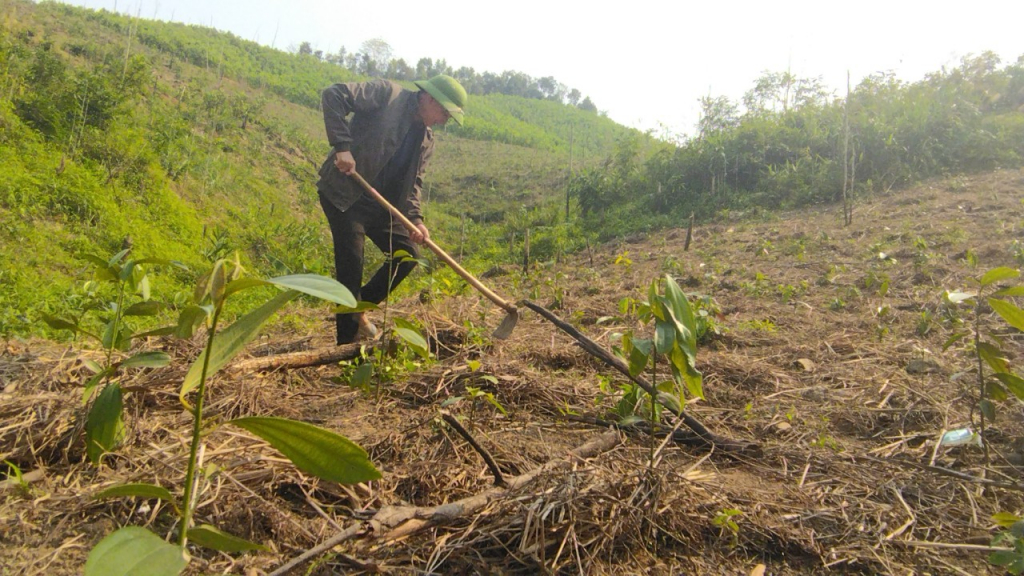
{"x": 388, "y": 140}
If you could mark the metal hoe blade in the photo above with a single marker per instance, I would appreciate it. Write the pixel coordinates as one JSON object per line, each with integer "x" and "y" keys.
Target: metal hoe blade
{"x": 504, "y": 330}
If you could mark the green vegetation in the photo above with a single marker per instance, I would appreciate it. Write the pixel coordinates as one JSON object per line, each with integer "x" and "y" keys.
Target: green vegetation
{"x": 313, "y": 450}
{"x": 787, "y": 148}
{"x": 189, "y": 144}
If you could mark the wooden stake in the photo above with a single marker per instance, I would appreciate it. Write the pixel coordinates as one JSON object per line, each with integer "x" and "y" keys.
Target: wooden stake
{"x": 847, "y": 208}
{"x": 569, "y": 180}
{"x": 462, "y": 240}
{"x": 689, "y": 234}
{"x": 526, "y": 252}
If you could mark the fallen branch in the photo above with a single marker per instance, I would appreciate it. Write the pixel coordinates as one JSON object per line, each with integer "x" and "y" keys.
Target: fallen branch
{"x": 594, "y": 349}
{"x": 454, "y": 423}
{"x": 393, "y": 522}
{"x": 951, "y": 473}
{"x": 302, "y": 359}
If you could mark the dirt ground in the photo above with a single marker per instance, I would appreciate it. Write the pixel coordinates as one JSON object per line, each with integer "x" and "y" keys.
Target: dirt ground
{"x": 830, "y": 359}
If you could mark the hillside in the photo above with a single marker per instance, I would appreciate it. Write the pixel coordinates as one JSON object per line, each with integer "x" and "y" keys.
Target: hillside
{"x": 189, "y": 144}
{"x": 829, "y": 355}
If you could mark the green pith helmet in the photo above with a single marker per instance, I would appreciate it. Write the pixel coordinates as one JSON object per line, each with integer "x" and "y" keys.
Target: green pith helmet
{"x": 448, "y": 93}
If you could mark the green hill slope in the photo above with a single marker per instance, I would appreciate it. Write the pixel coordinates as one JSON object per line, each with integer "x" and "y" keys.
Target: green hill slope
{"x": 190, "y": 143}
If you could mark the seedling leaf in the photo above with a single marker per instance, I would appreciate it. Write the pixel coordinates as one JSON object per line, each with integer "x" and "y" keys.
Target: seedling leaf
{"x": 313, "y": 450}
{"x": 210, "y": 537}
{"x": 134, "y": 551}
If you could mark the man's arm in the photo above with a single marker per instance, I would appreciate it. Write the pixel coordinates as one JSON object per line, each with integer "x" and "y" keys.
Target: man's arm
{"x": 338, "y": 101}
{"x": 412, "y": 209}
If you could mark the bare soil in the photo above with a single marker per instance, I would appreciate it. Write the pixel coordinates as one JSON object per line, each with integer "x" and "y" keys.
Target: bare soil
{"x": 830, "y": 359}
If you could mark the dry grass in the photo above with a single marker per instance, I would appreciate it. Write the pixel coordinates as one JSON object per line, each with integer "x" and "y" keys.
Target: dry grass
{"x": 812, "y": 373}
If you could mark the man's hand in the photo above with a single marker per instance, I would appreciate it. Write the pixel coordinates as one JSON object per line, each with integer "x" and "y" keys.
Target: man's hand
{"x": 420, "y": 234}
{"x": 344, "y": 162}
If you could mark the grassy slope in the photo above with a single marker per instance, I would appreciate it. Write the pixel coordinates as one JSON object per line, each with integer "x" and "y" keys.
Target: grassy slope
{"x": 249, "y": 189}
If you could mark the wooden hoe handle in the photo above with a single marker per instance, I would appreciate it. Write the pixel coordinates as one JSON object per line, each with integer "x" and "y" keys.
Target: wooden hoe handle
{"x": 437, "y": 249}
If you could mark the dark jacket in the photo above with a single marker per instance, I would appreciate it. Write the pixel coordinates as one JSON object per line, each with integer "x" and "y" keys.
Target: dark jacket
{"x": 382, "y": 113}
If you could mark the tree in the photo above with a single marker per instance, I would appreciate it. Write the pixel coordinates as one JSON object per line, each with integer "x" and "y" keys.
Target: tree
{"x": 574, "y": 97}
{"x": 588, "y": 105}
{"x": 305, "y": 48}
{"x": 782, "y": 91}
{"x": 376, "y": 56}
{"x": 399, "y": 70}
{"x": 423, "y": 68}
{"x": 716, "y": 114}
{"x": 552, "y": 89}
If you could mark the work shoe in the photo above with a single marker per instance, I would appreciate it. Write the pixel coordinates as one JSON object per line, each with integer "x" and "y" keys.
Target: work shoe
{"x": 367, "y": 331}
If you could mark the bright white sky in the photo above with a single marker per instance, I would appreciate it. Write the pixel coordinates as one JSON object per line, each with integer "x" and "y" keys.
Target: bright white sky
{"x": 643, "y": 62}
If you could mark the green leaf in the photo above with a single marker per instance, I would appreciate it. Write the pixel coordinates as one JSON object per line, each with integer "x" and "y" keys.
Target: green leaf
{"x": 137, "y": 490}
{"x": 243, "y": 284}
{"x": 993, "y": 357}
{"x": 150, "y": 308}
{"x": 694, "y": 382}
{"x": 315, "y": 285}
{"x": 1014, "y": 316}
{"x": 1013, "y": 383}
{"x": 189, "y": 319}
{"x": 92, "y": 365}
{"x": 670, "y": 401}
{"x": 59, "y": 323}
{"x": 104, "y": 427}
{"x": 361, "y": 377}
{"x": 664, "y": 336}
{"x": 1011, "y": 291}
{"x": 134, "y": 551}
{"x": 680, "y": 305}
{"x": 1002, "y": 557}
{"x": 313, "y": 450}
{"x": 144, "y": 287}
{"x": 451, "y": 400}
{"x": 403, "y": 323}
{"x": 127, "y": 271}
{"x": 639, "y": 356}
{"x": 1005, "y": 519}
{"x": 413, "y": 338}
{"x": 117, "y": 257}
{"x": 953, "y": 340}
{"x": 998, "y": 275}
{"x": 212, "y": 283}
{"x": 360, "y": 307}
{"x": 230, "y": 341}
{"x": 988, "y": 409}
{"x": 104, "y": 270}
{"x": 108, "y": 339}
{"x": 147, "y": 360}
{"x": 92, "y": 383}
{"x": 995, "y": 391}
{"x": 210, "y": 537}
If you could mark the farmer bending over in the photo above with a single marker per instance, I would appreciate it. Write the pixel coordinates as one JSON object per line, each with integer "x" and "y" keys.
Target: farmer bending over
{"x": 389, "y": 140}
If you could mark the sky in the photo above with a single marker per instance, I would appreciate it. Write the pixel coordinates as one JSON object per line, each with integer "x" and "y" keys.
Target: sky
{"x": 644, "y": 63}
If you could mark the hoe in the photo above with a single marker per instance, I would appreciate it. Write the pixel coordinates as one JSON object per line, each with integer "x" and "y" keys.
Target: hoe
{"x": 504, "y": 330}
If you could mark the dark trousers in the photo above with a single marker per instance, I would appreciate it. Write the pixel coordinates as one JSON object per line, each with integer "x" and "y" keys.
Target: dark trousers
{"x": 349, "y": 230}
